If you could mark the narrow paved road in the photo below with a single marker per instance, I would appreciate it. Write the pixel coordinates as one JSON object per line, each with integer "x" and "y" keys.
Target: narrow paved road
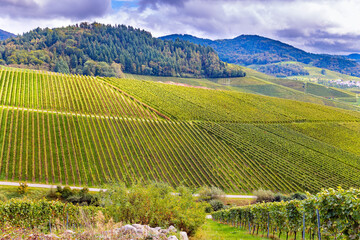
{"x": 36, "y": 185}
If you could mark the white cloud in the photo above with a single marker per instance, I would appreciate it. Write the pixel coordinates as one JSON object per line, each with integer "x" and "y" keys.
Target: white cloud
{"x": 303, "y": 23}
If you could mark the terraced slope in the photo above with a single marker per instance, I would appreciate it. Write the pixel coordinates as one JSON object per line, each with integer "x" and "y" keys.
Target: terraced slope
{"x": 88, "y": 131}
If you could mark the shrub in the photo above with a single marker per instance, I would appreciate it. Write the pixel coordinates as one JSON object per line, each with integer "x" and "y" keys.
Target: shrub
{"x": 75, "y": 196}
{"x": 210, "y": 193}
{"x": 298, "y": 196}
{"x": 217, "y": 205}
{"x": 3, "y": 197}
{"x": 151, "y": 205}
{"x": 23, "y": 188}
{"x": 281, "y": 197}
{"x": 264, "y": 195}
{"x": 66, "y": 192}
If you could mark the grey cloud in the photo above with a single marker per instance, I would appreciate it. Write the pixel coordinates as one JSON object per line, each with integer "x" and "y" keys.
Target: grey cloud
{"x": 156, "y": 3}
{"x": 333, "y": 46}
{"x": 335, "y": 43}
{"x": 321, "y": 40}
{"x": 290, "y": 33}
{"x": 78, "y": 9}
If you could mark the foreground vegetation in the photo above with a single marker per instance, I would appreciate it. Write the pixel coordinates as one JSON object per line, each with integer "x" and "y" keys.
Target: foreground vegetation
{"x": 332, "y": 213}
{"x": 154, "y": 205}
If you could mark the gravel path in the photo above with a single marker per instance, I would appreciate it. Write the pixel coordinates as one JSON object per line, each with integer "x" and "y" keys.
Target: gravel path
{"x": 44, "y": 186}
{"x": 36, "y": 185}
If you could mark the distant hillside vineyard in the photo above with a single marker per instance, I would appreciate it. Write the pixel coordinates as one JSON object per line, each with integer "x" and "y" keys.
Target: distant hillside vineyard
{"x": 87, "y": 131}
{"x": 105, "y": 50}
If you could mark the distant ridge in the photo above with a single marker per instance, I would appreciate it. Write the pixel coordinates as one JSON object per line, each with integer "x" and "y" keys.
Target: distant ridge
{"x": 257, "y": 50}
{"x": 354, "y": 56}
{"x": 5, "y": 35}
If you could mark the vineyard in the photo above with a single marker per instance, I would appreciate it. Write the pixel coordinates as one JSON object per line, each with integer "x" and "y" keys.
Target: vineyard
{"x": 183, "y": 103}
{"x": 330, "y": 214}
{"x": 29, "y": 214}
{"x": 262, "y": 84}
{"x": 87, "y": 131}
{"x": 309, "y": 163}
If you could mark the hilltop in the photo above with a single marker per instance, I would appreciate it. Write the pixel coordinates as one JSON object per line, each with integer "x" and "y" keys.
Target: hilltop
{"x": 257, "y": 50}
{"x": 105, "y": 50}
{"x": 5, "y": 35}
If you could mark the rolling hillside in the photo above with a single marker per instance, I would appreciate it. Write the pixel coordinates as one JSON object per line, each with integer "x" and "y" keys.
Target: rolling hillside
{"x": 5, "y": 35}
{"x": 256, "y": 50}
{"x": 258, "y": 83}
{"x": 81, "y": 130}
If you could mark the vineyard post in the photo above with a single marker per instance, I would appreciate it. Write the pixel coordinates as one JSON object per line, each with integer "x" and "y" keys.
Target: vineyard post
{"x": 50, "y": 224}
{"x": 303, "y": 233}
{"x": 268, "y": 225}
{"x": 67, "y": 220}
{"x": 318, "y": 220}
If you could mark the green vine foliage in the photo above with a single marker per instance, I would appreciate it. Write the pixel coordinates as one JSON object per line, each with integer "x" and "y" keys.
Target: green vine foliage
{"x": 30, "y": 214}
{"x": 339, "y": 215}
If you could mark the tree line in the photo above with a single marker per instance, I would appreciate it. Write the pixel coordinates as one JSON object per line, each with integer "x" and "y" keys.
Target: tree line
{"x": 106, "y": 50}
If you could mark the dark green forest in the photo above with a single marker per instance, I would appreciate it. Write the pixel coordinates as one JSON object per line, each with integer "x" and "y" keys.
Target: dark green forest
{"x": 106, "y": 50}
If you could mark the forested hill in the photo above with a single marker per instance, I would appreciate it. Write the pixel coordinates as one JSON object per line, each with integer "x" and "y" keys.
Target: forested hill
{"x": 256, "y": 50}
{"x": 4, "y": 35}
{"x": 105, "y": 50}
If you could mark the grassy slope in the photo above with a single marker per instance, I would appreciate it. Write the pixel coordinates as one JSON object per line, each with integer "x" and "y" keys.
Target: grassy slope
{"x": 33, "y": 193}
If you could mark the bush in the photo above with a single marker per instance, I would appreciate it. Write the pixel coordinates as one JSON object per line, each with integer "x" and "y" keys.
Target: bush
{"x": 298, "y": 196}
{"x": 281, "y": 197}
{"x": 3, "y": 198}
{"x": 75, "y": 196}
{"x": 217, "y": 205}
{"x": 23, "y": 188}
{"x": 151, "y": 205}
{"x": 210, "y": 193}
{"x": 264, "y": 195}
{"x": 66, "y": 192}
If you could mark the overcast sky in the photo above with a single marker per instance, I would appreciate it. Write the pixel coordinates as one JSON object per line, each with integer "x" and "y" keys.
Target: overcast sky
{"x": 322, "y": 26}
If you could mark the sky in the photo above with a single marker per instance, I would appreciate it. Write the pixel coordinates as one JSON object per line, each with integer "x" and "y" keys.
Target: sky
{"x": 319, "y": 26}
